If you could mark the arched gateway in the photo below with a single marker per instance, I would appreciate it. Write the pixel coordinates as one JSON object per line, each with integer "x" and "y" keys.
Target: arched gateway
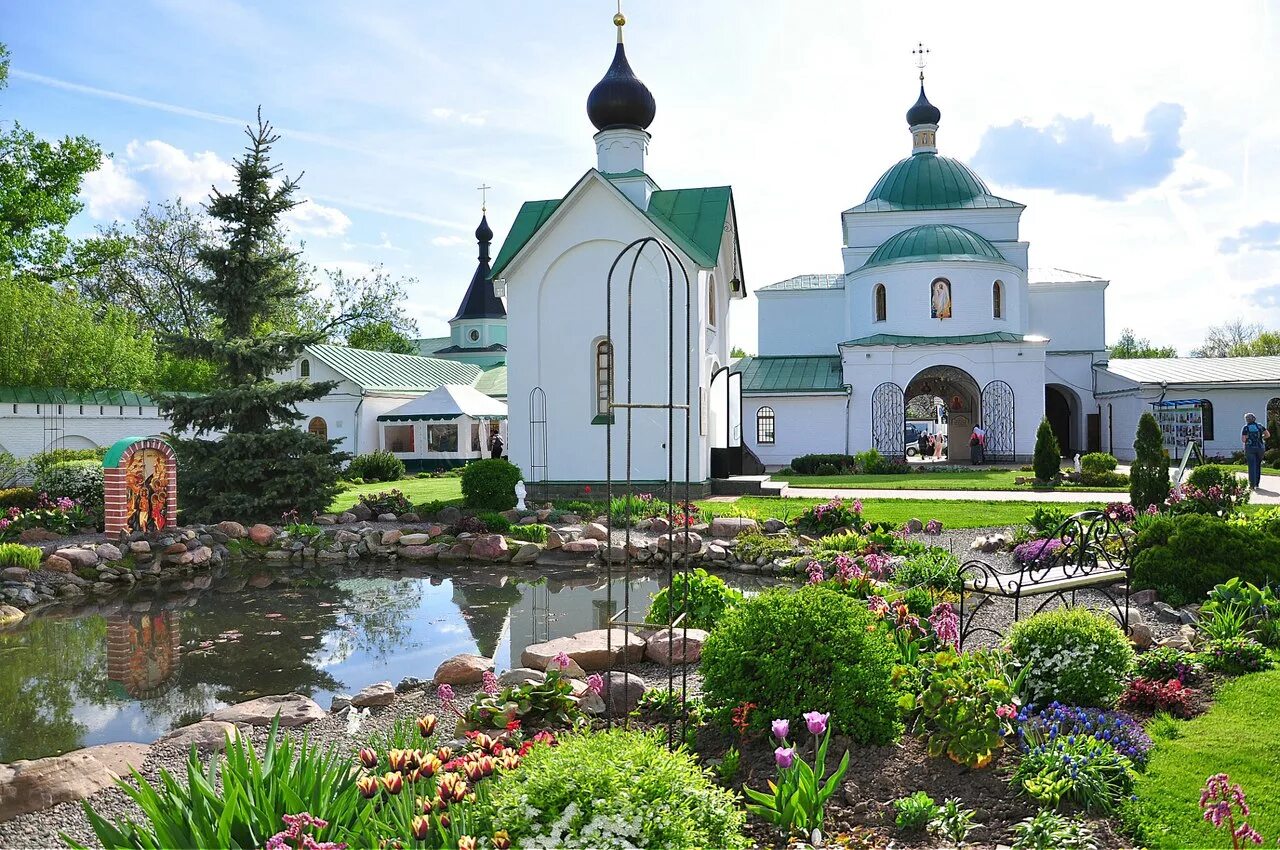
{"x": 965, "y": 405}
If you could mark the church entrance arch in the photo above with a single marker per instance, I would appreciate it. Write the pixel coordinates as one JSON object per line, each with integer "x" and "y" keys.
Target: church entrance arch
{"x": 889, "y": 420}
{"x": 962, "y": 404}
{"x": 1059, "y": 409}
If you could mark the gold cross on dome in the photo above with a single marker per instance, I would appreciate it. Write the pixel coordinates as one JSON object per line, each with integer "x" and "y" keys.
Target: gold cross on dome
{"x": 922, "y": 57}
{"x": 483, "y": 189}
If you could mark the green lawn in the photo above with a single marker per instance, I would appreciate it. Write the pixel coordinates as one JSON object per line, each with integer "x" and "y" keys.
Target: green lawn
{"x": 416, "y": 490}
{"x": 953, "y": 513}
{"x": 966, "y": 479}
{"x": 1239, "y": 736}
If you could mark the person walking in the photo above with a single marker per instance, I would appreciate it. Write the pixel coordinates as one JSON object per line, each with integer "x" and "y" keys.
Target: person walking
{"x": 1254, "y": 437}
{"x": 922, "y": 443}
{"x": 495, "y": 446}
{"x": 978, "y": 445}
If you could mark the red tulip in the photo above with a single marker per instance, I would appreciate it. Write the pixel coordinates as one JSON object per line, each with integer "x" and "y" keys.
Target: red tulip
{"x": 368, "y": 786}
{"x": 427, "y": 725}
{"x": 393, "y": 782}
{"x": 421, "y": 827}
{"x": 368, "y": 758}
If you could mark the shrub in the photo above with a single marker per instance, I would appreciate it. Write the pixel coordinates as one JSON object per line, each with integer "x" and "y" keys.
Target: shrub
{"x": 616, "y": 788}
{"x": 1047, "y": 519}
{"x": 1219, "y": 550}
{"x": 871, "y": 462}
{"x": 22, "y": 498}
{"x": 937, "y": 569}
{"x": 17, "y": 555}
{"x": 1219, "y": 500}
{"x": 808, "y": 464}
{"x": 1116, "y": 728}
{"x": 80, "y": 480}
{"x": 1080, "y": 771}
{"x": 490, "y": 484}
{"x": 545, "y": 704}
{"x": 1162, "y": 663}
{"x": 1235, "y": 655}
{"x": 1097, "y": 463}
{"x": 821, "y": 520}
{"x": 1212, "y": 475}
{"x": 533, "y": 533}
{"x": 709, "y": 598}
{"x": 1149, "y": 474}
{"x": 388, "y": 502}
{"x": 496, "y": 523}
{"x": 789, "y": 650}
{"x": 43, "y": 460}
{"x": 1147, "y": 695}
{"x": 1047, "y": 459}
{"x": 753, "y": 545}
{"x": 1074, "y": 655}
{"x": 966, "y": 704}
{"x": 1048, "y": 830}
{"x": 376, "y": 466}
{"x": 914, "y": 813}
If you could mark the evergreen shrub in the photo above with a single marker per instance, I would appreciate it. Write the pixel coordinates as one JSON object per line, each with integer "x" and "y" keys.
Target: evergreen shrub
{"x": 790, "y": 650}
{"x": 708, "y": 600}
{"x": 490, "y": 485}
{"x": 1149, "y": 474}
{"x": 376, "y": 466}
{"x": 43, "y": 460}
{"x": 1047, "y": 460}
{"x": 1182, "y": 558}
{"x": 1212, "y": 475}
{"x": 22, "y": 498}
{"x": 1074, "y": 656}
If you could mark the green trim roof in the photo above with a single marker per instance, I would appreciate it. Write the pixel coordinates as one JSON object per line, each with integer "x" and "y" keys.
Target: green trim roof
{"x": 531, "y": 217}
{"x": 818, "y": 373}
{"x": 493, "y": 382}
{"x": 929, "y": 243}
{"x": 386, "y": 372}
{"x": 112, "y": 458}
{"x": 806, "y": 281}
{"x": 60, "y": 395}
{"x": 901, "y": 339}
{"x": 926, "y": 181}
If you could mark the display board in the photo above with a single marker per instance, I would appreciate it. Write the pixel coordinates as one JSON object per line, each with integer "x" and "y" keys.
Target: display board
{"x": 1181, "y": 422}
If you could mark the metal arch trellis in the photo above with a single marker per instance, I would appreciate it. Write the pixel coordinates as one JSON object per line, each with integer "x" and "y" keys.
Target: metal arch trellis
{"x": 998, "y": 419}
{"x": 537, "y": 434}
{"x": 889, "y": 420}
{"x": 676, "y": 542}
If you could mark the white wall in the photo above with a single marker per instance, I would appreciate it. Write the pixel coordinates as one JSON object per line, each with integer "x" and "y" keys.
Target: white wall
{"x": 803, "y": 424}
{"x": 908, "y": 297}
{"x": 864, "y": 231}
{"x": 1229, "y": 407}
{"x": 22, "y": 433}
{"x": 811, "y": 321}
{"x": 1072, "y": 315}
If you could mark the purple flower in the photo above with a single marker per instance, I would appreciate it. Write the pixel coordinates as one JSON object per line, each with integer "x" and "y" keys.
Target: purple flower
{"x": 857, "y": 506}
{"x": 781, "y": 729}
{"x": 945, "y": 624}
{"x": 814, "y": 569}
{"x": 933, "y": 527}
{"x": 784, "y": 757}
{"x": 490, "y": 680}
{"x": 595, "y": 683}
{"x": 816, "y": 721}
{"x": 445, "y": 693}
{"x": 562, "y": 660}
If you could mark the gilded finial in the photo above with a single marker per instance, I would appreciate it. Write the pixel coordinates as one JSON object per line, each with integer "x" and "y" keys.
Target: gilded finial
{"x": 483, "y": 189}
{"x": 619, "y": 20}
{"x": 922, "y": 55}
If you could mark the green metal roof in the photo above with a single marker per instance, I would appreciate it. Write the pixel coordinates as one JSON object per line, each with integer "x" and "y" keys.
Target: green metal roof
{"x": 616, "y": 175}
{"x": 901, "y": 339}
{"x": 927, "y": 243}
{"x": 926, "y": 181}
{"x": 806, "y": 281}
{"x": 112, "y": 458}
{"x": 431, "y": 344}
{"x": 493, "y": 382}
{"x": 693, "y": 219}
{"x": 386, "y": 372}
{"x": 816, "y": 373}
{"x": 59, "y": 395}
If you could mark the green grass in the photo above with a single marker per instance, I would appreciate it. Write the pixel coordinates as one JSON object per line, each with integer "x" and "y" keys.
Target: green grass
{"x": 1239, "y": 736}
{"x": 953, "y": 513}
{"x": 965, "y": 479}
{"x": 416, "y": 490}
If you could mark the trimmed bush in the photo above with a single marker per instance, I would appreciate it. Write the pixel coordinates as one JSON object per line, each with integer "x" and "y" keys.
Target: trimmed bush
{"x": 22, "y": 498}
{"x": 376, "y": 466}
{"x": 1149, "y": 474}
{"x": 708, "y": 597}
{"x": 74, "y": 479}
{"x": 790, "y": 650}
{"x": 42, "y": 461}
{"x": 490, "y": 485}
{"x": 1212, "y": 475}
{"x": 1184, "y": 557}
{"x": 1097, "y": 463}
{"x": 1047, "y": 460}
{"x": 1074, "y": 656}
{"x": 17, "y": 555}
{"x": 808, "y": 464}
{"x": 616, "y": 788}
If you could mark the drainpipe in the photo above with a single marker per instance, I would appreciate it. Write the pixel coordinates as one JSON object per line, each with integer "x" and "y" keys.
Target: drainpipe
{"x": 848, "y": 401}
{"x": 355, "y": 450}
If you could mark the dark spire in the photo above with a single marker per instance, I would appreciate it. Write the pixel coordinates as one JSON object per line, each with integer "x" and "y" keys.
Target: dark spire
{"x": 620, "y": 100}
{"x": 480, "y": 302}
{"x": 923, "y": 112}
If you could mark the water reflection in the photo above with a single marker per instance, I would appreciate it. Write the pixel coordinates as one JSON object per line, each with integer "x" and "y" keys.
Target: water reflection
{"x": 132, "y": 668}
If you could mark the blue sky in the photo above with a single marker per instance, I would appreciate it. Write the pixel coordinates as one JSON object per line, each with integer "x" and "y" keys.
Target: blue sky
{"x": 1144, "y": 145}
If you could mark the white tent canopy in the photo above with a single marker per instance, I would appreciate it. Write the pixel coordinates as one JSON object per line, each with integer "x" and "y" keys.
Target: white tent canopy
{"x": 445, "y": 402}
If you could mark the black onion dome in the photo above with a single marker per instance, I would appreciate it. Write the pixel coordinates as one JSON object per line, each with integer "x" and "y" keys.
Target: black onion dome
{"x": 923, "y": 112}
{"x": 479, "y": 302}
{"x": 620, "y": 100}
{"x": 484, "y": 233}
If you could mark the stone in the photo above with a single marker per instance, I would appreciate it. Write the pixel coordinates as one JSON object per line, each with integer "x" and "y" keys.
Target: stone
{"x": 622, "y": 693}
{"x": 375, "y": 695}
{"x": 102, "y": 588}
{"x": 262, "y": 534}
{"x": 588, "y": 648}
{"x": 109, "y": 552}
{"x": 675, "y": 646}
{"x": 489, "y": 547}
{"x": 56, "y": 564}
{"x": 522, "y": 676}
{"x": 70, "y": 591}
{"x": 347, "y": 517}
{"x": 1188, "y": 616}
{"x": 33, "y": 786}
{"x": 37, "y": 535}
{"x": 410, "y": 683}
{"x": 716, "y": 552}
{"x": 294, "y": 710}
{"x": 387, "y": 517}
{"x": 615, "y": 554}
{"x": 459, "y": 551}
{"x": 140, "y": 547}
{"x": 10, "y": 616}
{"x": 1144, "y": 597}
{"x": 660, "y": 525}
{"x": 463, "y": 669}
{"x": 260, "y": 581}
{"x": 526, "y": 554}
{"x": 392, "y": 537}
{"x": 208, "y": 736}
{"x": 326, "y": 519}
{"x": 346, "y": 538}
{"x": 595, "y": 531}
{"x": 682, "y": 542}
{"x": 79, "y": 557}
{"x": 417, "y": 539}
{"x": 361, "y": 511}
{"x": 582, "y": 547}
{"x": 915, "y": 526}
{"x": 339, "y": 702}
{"x": 1177, "y": 642}
{"x": 729, "y": 527}
{"x": 421, "y": 553}
{"x": 449, "y": 516}
{"x": 201, "y": 555}
{"x": 410, "y": 517}
{"x": 1166, "y": 612}
{"x": 232, "y": 529}
{"x": 1142, "y": 636}
{"x": 174, "y": 549}
{"x": 555, "y": 540}
{"x": 18, "y": 574}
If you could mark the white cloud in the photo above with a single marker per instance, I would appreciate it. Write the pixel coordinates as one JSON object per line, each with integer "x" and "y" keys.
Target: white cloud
{"x": 311, "y": 218}
{"x": 110, "y": 193}
{"x": 446, "y": 241}
{"x": 475, "y": 119}
{"x": 169, "y": 171}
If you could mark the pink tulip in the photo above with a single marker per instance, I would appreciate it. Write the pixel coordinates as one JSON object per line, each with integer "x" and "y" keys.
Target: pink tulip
{"x": 784, "y": 757}
{"x": 781, "y": 729}
{"x": 816, "y": 721}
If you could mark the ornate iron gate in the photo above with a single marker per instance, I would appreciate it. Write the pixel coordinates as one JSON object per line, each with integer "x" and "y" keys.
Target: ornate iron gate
{"x": 537, "y": 435}
{"x": 889, "y": 420}
{"x": 998, "y": 420}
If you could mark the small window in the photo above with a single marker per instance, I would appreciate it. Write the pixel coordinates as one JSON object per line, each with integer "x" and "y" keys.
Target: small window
{"x": 881, "y": 303}
{"x": 711, "y": 301}
{"x": 442, "y": 438}
{"x": 475, "y": 436}
{"x": 15, "y": 409}
{"x": 139, "y": 411}
{"x": 102, "y": 410}
{"x": 82, "y": 410}
{"x": 59, "y": 410}
{"x": 398, "y": 438}
{"x": 304, "y": 370}
{"x": 121, "y": 413}
{"x": 319, "y": 427}
{"x": 997, "y": 300}
{"x": 474, "y": 336}
{"x": 37, "y": 410}
{"x": 604, "y": 376}
{"x": 764, "y": 426}
{"x": 1206, "y": 417}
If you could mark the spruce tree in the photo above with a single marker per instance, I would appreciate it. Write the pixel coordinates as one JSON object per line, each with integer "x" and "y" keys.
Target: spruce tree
{"x": 1149, "y": 475}
{"x": 263, "y": 465}
{"x": 1047, "y": 460}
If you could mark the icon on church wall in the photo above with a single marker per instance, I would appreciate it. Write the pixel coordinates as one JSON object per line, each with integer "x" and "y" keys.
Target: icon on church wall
{"x": 940, "y": 299}
{"x": 140, "y": 483}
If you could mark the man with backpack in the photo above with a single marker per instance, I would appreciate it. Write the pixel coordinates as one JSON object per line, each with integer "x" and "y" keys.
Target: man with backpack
{"x": 1254, "y": 437}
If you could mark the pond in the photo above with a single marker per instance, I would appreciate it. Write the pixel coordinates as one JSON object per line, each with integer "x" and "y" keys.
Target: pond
{"x": 132, "y": 668}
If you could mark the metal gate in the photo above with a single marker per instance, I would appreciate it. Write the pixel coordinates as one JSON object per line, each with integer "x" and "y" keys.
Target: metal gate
{"x": 889, "y": 420}
{"x": 998, "y": 420}
{"x": 537, "y": 435}
{"x": 676, "y": 488}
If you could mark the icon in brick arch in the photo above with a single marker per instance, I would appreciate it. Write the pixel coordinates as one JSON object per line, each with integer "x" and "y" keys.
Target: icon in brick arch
{"x": 141, "y": 483}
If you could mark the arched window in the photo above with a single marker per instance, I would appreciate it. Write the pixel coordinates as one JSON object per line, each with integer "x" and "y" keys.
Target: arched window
{"x": 881, "y": 303}
{"x": 1206, "y": 417}
{"x": 304, "y": 370}
{"x": 711, "y": 301}
{"x": 1272, "y": 423}
{"x": 764, "y": 426}
{"x": 319, "y": 427}
{"x": 603, "y": 375}
{"x": 997, "y": 300}
{"x": 940, "y": 298}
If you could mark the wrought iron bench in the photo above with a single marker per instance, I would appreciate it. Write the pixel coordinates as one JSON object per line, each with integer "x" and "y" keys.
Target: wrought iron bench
{"x": 1089, "y": 550}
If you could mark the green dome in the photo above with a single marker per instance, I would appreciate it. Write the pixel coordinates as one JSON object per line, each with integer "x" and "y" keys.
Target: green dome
{"x": 929, "y": 243}
{"x": 926, "y": 181}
